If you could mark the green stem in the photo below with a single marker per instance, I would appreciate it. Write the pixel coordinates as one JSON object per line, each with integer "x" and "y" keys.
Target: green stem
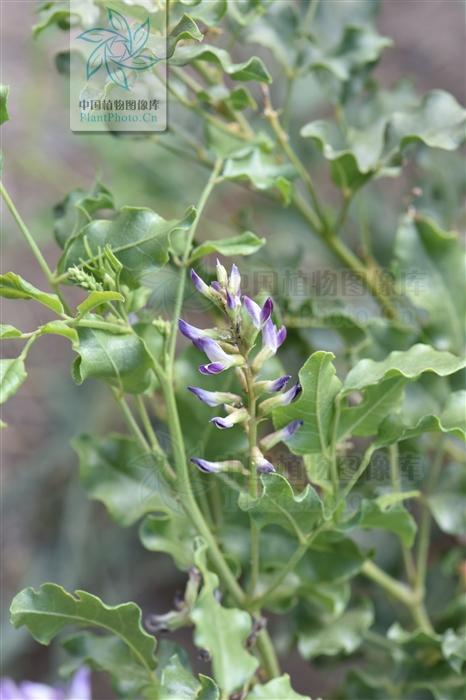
{"x": 130, "y": 419}
{"x": 187, "y": 251}
{"x": 396, "y": 589}
{"x": 253, "y": 485}
{"x": 154, "y": 443}
{"x": 360, "y": 470}
{"x": 425, "y": 523}
{"x": 27, "y": 234}
{"x": 268, "y": 654}
{"x": 397, "y": 486}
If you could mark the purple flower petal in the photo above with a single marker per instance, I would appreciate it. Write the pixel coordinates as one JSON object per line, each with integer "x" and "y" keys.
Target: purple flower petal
{"x": 190, "y": 331}
{"x": 269, "y": 336}
{"x": 253, "y": 310}
{"x": 205, "y": 466}
{"x": 80, "y": 686}
{"x": 212, "y": 368}
{"x": 266, "y": 311}
{"x": 39, "y": 691}
{"x": 289, "y": 430}
{"x": 214, "y": 398}
{"x": 213, "y": 350}
{"x": 199, "y": 283}
{"x": 265, "y": 467}
{"x": 231, "y": 300}
{"x": 278, "y": 384}
{"x": 222, "y": 423}
{"x": 216, "y": 286}
{"x": 291, "y": 394}
{"x": 281, "y": 336}
{"x": 9, "y": 690}
{"x": 235, "y": 281}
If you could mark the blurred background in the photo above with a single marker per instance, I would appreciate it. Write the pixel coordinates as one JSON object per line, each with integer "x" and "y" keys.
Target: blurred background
{"x": 50, "y": 530}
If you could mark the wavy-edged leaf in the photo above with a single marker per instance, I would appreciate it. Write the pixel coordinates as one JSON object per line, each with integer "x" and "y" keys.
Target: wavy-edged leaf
{"x": 4, "y": 116}
{"x": 315, "y": 405}
{"x": 138, "y": 237}
{"x": 233, "y": 665}
{"x": 274, "y": 689}
{"x": 77, "y": 209}
{"x": 115, "y": 471}
{"x": 407, "y": 365}
{"x": 252, "y": 69}
{"x": 363, "y": 151}
{"x": 142, "y": 61}
{"x": 171, "y": 533}
{"x": 50, "y": 609}
{"x": 12, "y": 375}
{"x": 279, "y": 505}
{"x": 245, "y": 243}
{"x": 186, "y": 28}
{"x": 359, "y": 48}
{"x": 119, "y": 359}
{"x": 430, "y": 267}
{"x": 97, "y": 298}
{"x": 85, "y": 13}
{"x": 257, "y": 167}
{"x": 342, "y": 635}
{"x": 376, "y": 403}
{"x": 451, "y": 418}
{"x": 177, "y": 681}
{"x": 109, "y": 654}
{"x": 12, "y": 286}
{"x": 394, "y": 518}
{"x": 60, "y": 328}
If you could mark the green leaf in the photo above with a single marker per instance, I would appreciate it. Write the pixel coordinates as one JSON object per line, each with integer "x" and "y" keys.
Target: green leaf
{"x": 138, "y": 237}
{"x": 376, "y": 147}
{"x": 407, "y": 365}
{"x": 77, "y": 209}
{"x": 377, "y": 402}
{"x": 359, "y": 48}
{"x": 449, "y": 510}
{"x": 114, "y": 471}
{"x": 252, "y": 69}
{"x": 97, "y": 299}
{"x": 279, "y": 505}
{"x": 335, "y": 636}
{"x": 186, "y": 28}
{"x": 47, "y": 611}
{"x": 58, "y": 12}
{"x": 4, "y": 116}
{"x": 315, "y": 406}
{"x": 178, "y": 682}
{"x": 394, "y": 518}
{"x": 450, "y": 419}
{"x": 7, "y": 331}
{"x": 246, "y": 243}
{"x": 171, "y": 533}
{"x": 257, "y": 167}
{"x": 12, "y": 286}
{"x": 60, "y": 328}
{"x": 121, "y": 360}
{"x": 331, "y": 558}
{"x": 109, "y": 654}
{"x": 12, "y": 376}
{"x": 278, "y": 688}
{"x": 430, "y": 270}
{"x": 232, "y": 664}
{"x": 277, "y": 30}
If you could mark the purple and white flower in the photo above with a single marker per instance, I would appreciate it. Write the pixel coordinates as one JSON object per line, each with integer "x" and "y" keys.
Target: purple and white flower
{"x": 261, "y": 464}
{"x": 219, "y": 359}
{"x": 231, "y": 465}
{"x": 272, "y": 386}
{"x": 190, "y": 331}
{"x": 238, "y": 416}
{"x": 281, "y": 435}
{"x": 215, "y": 398}
{"x": 259, "y": 316}
{"x": 283, "y": 399}
{"x": 78, "y": 689}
